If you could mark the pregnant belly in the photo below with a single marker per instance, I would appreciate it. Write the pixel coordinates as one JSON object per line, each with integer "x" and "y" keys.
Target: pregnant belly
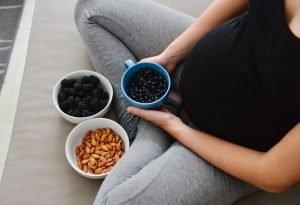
{"x": 223, "y": 98}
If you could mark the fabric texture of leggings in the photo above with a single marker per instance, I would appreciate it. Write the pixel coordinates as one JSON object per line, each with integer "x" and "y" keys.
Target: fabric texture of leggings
{"x": 156, "y": 169}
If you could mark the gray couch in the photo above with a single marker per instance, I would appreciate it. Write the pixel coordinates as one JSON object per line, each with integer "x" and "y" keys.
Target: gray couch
{"x": 36, "y": 170}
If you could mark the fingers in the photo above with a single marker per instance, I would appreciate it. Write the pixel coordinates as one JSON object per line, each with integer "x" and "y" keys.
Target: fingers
{"x": 150, "y": 115}
{"x": 135, "y": 111}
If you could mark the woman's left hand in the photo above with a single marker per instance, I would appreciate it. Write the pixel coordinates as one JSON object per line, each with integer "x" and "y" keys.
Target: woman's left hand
{"x": 161, "y": 118}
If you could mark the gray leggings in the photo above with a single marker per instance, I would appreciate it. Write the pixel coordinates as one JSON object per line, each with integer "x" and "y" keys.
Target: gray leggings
{"x": 156, "y": 169}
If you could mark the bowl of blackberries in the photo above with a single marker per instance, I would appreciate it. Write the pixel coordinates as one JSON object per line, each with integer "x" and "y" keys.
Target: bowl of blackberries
{"x": 145, "y": 84}
{"x": 82, "y": 95}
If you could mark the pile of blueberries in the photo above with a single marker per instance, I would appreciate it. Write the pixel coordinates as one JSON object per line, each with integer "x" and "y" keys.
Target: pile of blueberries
{"x": 146, "y": 86}
{"x": 82, "y": 97}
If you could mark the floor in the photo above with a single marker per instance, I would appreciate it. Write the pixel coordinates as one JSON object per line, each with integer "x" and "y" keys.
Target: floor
{"x": 14, "y": 72}
{"x": 10, "y": 13}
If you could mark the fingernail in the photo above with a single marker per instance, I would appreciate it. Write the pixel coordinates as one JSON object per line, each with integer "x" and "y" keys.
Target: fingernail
{"x": 129, "y": 109}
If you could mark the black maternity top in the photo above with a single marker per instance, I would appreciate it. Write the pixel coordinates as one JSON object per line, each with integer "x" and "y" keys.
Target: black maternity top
{"x": 241, "y": 82}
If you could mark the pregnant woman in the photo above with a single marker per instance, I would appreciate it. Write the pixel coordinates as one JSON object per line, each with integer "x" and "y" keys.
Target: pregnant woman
{"x": 240, "y": 87}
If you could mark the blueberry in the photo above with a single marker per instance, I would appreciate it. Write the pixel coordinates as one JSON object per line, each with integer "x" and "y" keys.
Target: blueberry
{"x": 146, "y": 85}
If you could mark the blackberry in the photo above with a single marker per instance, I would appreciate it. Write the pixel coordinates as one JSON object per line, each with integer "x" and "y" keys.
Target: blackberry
{"x": 87, "y": 99}
{"x": 83, "y": 97}
{"x": 77, "y": 101}
{"x": 71, "y": 112}
{"x": 85, "y": 79}
{"x": 102, "y": 104}
{"x": 93, "y": 80}
{"x": 86, "y": 113}
{"x": 65, "y": 83}
{"x": 61, "y": 96}
{"x": 95, "y": 93}
{"x": 81, "y": 94}
{"x": 77, "y": 113}
{"x": 63, "y": 105}
{"x": 100, "y": 90}
{"x": 69, "y": 91}
{"x": 78, "y": 86}
{"x": 71, "y": 100}
{"x": 94, "y": 102}
{"x": 104, "y": 95}
{"x": 82, "y": 106}
{"x": 87, "y": 87}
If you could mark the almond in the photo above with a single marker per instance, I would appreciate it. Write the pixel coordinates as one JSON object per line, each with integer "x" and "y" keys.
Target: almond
{"x": 92, "y": 161}
{"x": 104, "y": 154}
{"x": 104, "y": 148}
{"x": 79, "y": 164}
{"x": 86, "y": 156}
{"x": 92, "y": 150}
{"x": 98, "y": 171}
{"x": 91, "y": 166}
{"x": 109, "y": 147}
{"x": 97, "y": 136}
{"x": 102, "y": 159}
{"x": 116, "y": 157}
{"x": 107, "y": 131}
{"x": 101, "y": 164}
{"x": 98, "y": 152}
{"x": 110, "y": 137}
{"x": 89, "y": 145}
{"x": 118, "y": 147}
{"x": 94, "y": 141}
{"x": 117, "y": 138}
{"x": 103, "y": 137}
{"x": 95, "y": 156}
{"x": 81, "y": 153}
{"x": 85, "y": 161}
{"x": 87, "y": 150}
{"x": 85, "y": 168}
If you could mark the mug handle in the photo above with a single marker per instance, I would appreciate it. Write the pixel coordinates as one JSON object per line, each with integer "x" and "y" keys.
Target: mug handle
{"x": 128, "y": 64}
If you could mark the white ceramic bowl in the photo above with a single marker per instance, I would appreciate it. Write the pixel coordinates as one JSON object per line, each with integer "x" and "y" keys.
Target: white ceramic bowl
{"x": 77, "y": 75}
{"x": 76, "y": 135}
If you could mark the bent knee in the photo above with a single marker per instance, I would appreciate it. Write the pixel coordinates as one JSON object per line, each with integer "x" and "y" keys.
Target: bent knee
{"x": 88, "y": 8}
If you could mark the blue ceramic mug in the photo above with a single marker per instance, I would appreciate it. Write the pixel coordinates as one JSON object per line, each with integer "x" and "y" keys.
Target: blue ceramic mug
{"x": 130, "y": 69}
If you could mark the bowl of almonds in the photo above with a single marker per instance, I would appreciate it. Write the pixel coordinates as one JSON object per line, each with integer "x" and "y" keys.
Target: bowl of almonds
{"x": 94, "y": 146}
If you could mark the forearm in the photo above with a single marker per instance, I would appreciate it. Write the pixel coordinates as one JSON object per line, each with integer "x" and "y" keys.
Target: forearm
{"x": 241, "y": 162}
{"x": 274, "y": 170}
{"x": 218, "y": 12}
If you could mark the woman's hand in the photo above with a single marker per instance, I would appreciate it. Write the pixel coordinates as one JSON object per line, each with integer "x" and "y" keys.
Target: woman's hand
{"x": 167, "y": 62}
{"x": 161, "y": 118}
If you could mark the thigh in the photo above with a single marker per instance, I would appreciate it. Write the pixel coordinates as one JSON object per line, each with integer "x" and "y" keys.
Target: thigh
{"x": 144, "y": 26}
{"x": 179, "y": 177}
